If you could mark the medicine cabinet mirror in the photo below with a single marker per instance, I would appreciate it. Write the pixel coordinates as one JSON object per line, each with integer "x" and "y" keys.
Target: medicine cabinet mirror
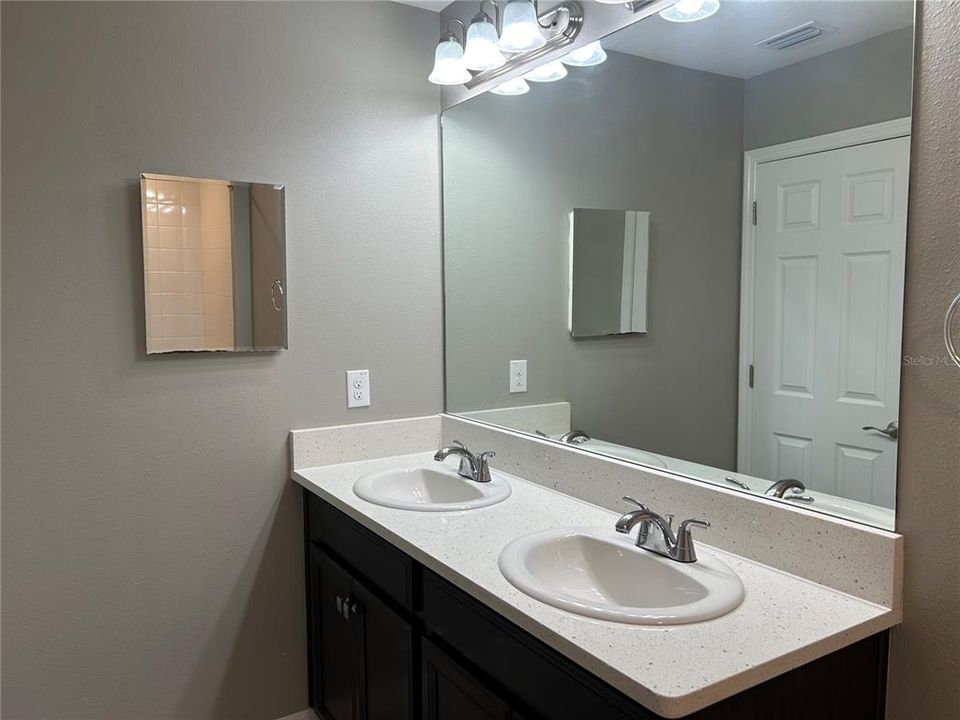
{"x": 608, "y": 272}
{"x": 214, "y": 265}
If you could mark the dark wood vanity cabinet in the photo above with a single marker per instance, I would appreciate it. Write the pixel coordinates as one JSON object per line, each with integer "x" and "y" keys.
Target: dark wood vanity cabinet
{"x": 391, "y": 640}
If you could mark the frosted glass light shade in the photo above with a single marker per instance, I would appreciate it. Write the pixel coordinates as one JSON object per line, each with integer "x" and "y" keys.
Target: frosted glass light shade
{"x": 517, "y": 86}
{"x": 551, "y": 72}
{"x": 521, "y": 31}
{"x": 482, "y": 52}
{"x": 448, "y": 67}
{"x": 586, "y": 56}
{"x": 690, "y": 10}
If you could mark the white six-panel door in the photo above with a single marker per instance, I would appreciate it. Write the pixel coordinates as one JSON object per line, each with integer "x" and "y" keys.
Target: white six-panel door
{"x": 830, "y": 242}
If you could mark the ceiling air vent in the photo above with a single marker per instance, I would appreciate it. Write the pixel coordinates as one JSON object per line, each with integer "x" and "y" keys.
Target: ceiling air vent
{"x": 791, "y": 37}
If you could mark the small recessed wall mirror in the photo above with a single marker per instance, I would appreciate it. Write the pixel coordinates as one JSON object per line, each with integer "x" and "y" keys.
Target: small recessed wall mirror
{"x": 214, "y": 265}
{"x": 608, "y": 272}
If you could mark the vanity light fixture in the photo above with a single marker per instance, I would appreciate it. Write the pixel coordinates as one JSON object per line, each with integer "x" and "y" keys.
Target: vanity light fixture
{"x": 521, "y": 27}
{"x": 517, "y": 86}
{"x": 548, "y": 72}
{"x": 474, "y": 56}
{"x": 690, "y": 10}
{"x": 448, "y": 65}
{"x": 482, "y": 52}
{"x": 586, "y": 56}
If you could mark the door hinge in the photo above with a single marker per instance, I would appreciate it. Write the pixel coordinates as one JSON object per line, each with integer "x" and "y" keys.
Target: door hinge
{"x": 754, "y": 212}
{"x": 750, "y": 377}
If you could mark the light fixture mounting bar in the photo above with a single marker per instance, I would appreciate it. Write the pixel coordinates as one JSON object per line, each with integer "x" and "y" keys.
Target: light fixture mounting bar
{"x": 650, "y": 6}
{"x": 549, "y": 19}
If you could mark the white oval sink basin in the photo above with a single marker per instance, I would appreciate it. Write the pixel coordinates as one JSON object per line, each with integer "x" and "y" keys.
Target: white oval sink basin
{"x": 602, "y": 574}
{"x": 624, "y": 453}
{"x": 437, "y": 488}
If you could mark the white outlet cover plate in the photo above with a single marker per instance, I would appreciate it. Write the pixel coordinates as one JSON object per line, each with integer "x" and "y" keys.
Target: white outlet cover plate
{"x": 518, "y": 376}
{"x": 358, "y": 388}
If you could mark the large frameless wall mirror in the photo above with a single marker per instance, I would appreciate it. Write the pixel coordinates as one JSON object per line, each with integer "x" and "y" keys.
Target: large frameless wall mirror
{"x": 765, "y": 150}
{"x": 214, "y": 260}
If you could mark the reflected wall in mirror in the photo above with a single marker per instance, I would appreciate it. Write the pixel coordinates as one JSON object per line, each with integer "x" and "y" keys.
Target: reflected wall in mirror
{"x": 608, "y": 272}
{"x": 772, "y": 344}
{"x": 214, "y": 261}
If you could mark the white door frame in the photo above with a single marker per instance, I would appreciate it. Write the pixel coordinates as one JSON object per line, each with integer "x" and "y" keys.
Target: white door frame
{"x": 752, "y": 159}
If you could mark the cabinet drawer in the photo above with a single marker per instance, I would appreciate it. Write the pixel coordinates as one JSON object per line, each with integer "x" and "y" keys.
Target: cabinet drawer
{"x": 538, "y": 676}
{"x": 379, "y": 563}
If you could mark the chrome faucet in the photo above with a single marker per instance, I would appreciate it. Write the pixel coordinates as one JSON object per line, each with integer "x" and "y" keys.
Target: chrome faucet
{"x": 472, "y": 467}
{"x": 780, "y": 487}
{"x": 574, "y": 437}
{"x": 656, "y": 532}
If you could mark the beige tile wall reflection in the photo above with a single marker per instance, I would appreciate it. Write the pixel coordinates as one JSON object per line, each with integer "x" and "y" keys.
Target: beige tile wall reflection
{"x": 187, "y": 265}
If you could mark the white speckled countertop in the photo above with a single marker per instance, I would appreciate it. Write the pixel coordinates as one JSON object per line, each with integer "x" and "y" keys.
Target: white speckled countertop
{"x": 784, "y": 621}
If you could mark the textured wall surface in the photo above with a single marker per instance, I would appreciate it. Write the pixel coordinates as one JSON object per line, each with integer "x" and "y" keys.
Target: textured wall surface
{"x": 514, "y": 168}
{"x": 152, "y": 548}
{"x": 925, "y": 650}
{"x": 865, "y": 83}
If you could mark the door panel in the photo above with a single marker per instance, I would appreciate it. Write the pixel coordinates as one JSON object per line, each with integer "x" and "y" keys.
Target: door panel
{"x": 335, "y": 643}
{"x": 387, "y": 641}
{"x": 831, "y": 233}
{"x": 450, "y": 693}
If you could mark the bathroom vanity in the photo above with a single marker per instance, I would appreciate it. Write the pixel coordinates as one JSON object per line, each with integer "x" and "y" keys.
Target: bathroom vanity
{"x": 410, "y": 616}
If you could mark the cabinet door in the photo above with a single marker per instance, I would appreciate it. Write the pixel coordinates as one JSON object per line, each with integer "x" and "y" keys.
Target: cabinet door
{"x": 450, "y": 693}
{"x": 387, "y": 658}
{"x": 335, "y": 642}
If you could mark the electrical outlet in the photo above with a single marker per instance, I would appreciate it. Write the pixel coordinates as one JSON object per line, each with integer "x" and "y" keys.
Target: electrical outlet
{"x": 358, "y": 388}
{"x": 518, "y": 376}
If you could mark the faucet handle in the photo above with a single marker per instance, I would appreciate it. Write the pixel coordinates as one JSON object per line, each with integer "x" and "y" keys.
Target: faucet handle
{"x": 685, "y": 551}
{"x": 459, "y": 445}
{"x": 639, "y": 504}
{"x": 483, "y": 466}
{"x": 698, "y": 523}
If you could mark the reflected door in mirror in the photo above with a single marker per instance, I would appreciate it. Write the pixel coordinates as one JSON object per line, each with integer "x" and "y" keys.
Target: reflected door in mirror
{"x": 828, "y": 306}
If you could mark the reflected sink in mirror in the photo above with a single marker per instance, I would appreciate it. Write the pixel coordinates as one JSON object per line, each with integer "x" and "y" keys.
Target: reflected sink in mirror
{"x": 623, "y": 452}
{"x": 431, "y": 489}
{"x": 602, "y": 574}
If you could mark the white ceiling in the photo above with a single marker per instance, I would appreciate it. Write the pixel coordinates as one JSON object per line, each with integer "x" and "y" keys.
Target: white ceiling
{"x": 435, "y": 5}
{"x": 724, "y": 43}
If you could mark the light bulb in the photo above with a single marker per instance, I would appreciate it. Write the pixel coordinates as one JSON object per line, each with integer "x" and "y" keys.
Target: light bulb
{"x": 586, "y": 56}
{"x": 690, "y": 10}
{"x": 521, "y": 29}
{"x": 448, "y": 67}
{"x": 550, "y": 72}
{"x": 482, "y": 52}
{"x": 517, "y": 86}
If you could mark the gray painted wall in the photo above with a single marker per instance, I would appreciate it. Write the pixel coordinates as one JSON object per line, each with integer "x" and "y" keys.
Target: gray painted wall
{"x": 152, "y": 559}
{"x": 514, "y": 167}
{"x": 925, "y": 650}
{"x": 865, "y": 83}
